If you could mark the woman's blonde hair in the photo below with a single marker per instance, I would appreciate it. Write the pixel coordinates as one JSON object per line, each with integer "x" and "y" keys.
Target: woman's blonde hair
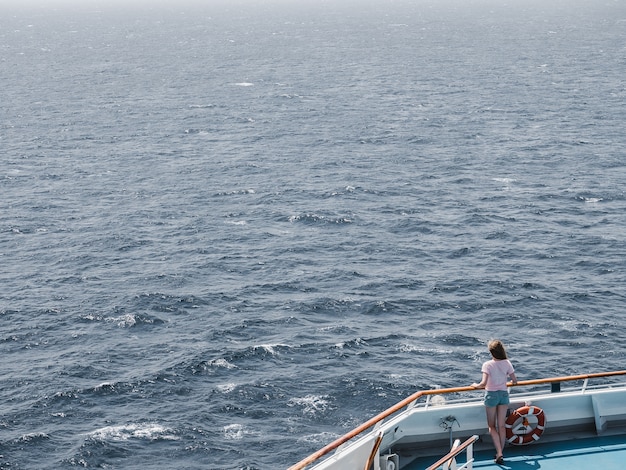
{"x": 496, "y": 348}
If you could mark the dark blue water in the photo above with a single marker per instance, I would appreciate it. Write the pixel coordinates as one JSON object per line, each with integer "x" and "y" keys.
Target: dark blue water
{"x": 230, "y": 233}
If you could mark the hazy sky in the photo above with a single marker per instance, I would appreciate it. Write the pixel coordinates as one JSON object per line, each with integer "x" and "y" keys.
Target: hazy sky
{"x": 154, "y": 3}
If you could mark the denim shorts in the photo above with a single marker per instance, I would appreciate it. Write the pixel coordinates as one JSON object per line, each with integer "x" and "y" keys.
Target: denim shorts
{"x": 497, "y": 397}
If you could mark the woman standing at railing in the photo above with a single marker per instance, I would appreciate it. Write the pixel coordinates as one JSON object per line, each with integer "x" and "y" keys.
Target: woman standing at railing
{"x": 495, "y": 374}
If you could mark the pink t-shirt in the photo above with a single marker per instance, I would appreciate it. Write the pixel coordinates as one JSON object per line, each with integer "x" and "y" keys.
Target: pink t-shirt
{"x": 497, "y": 374}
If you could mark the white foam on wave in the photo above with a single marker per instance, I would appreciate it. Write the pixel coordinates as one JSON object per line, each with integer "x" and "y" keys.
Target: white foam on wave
{"x": 408, "y": 348}
{"x": 104, "y": 385}
{"x": 505, "y": 180}
{"x": 201, "y": 106}
{"x": 311, "y": 404}
{"x": 270, "y": 348}
{"x": 221, "y": 362}
{"x": 236, "y": 431}
{"x": 238, "y": 191}
{"x": 244, "y": 84}
{"x": 334, "y": 329}
{"x": 33, "y": 436}
{"x": 355, "y": 342}
{"x": 149, "y": 431}
{"x": 124, "y": 321}
{"x": 320, "y": 438}
{"x": 227, "y": 388}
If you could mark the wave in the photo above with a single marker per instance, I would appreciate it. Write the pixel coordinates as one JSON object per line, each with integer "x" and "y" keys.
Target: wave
{"x": 236, "y": 192}
{"x": 142, "y": 431}
{"x": 236, "y": 432}
{"x": 202, "y": 106}
{"x": 236, "y": 358}
{"x": 318, "y": 439}
{"x": 321, "y": 219}
{"x": 126, "y": 320}
{"x": 33, "y": 437}
{"x": 226, "y": 388}
{"x": 311, "y": 404}
{"x": 429, "y": 351}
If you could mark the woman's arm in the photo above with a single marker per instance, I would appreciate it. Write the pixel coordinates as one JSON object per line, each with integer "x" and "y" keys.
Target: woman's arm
{"x": 483, "y": 382}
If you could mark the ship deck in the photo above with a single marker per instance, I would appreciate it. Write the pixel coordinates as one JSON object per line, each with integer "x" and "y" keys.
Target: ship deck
{"x": 607, "y": 453}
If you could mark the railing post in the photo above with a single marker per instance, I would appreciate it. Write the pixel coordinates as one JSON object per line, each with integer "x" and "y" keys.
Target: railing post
{"x": 467, "y": 446}
{"x": 555, "y": 387}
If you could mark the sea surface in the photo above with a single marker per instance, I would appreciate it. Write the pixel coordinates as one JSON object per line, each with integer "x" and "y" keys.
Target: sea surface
{"x": 230, "y": 232}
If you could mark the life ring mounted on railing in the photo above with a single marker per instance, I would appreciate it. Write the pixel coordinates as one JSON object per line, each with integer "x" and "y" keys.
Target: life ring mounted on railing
{"x": 525, "y": 425}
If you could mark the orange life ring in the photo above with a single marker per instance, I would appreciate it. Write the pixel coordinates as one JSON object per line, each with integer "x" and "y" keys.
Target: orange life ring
{"x": 519, "y": 430}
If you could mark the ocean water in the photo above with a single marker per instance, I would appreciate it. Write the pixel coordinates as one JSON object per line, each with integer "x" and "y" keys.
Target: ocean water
{"x": 232, "y": 231}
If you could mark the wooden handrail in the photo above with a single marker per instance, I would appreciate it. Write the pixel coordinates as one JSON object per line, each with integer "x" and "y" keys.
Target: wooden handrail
{"x": 374, "y": 451}
{"x": 453, "y": 453}
{"x": 401, "y": 404}
{"x": 569, "y": 378}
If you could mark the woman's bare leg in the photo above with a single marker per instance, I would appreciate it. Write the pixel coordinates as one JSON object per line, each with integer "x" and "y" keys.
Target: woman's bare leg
{"x": 501, "y": 420}
{"x": 493, "y": 429}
